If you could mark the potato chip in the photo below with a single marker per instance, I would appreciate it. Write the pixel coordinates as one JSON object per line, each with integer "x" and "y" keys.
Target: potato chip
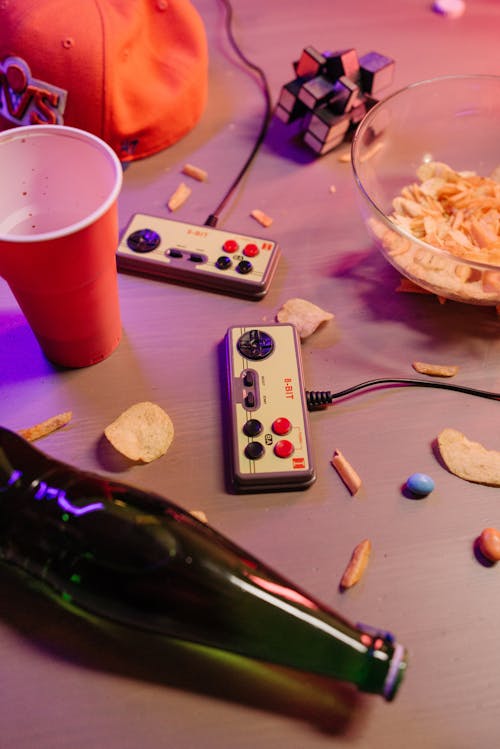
{"x": 143, "y": 432}
{"x": 305, "y": 315}
{"x": 469, "y": 460}
{"x": 46, "y": 427}
{"x": 437, "y": 370}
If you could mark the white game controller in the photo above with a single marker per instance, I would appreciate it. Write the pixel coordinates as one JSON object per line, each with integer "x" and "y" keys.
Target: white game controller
{"x": 198, "y": 256}
{"x": 269, "y": 444}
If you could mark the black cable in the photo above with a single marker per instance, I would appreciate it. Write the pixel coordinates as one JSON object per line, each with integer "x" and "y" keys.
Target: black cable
{"x": 214, "y": 217}
{"x": 319, "y": 399}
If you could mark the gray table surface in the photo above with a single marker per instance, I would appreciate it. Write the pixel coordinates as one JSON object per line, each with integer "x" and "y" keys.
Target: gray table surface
{"x": 70, "y": 683}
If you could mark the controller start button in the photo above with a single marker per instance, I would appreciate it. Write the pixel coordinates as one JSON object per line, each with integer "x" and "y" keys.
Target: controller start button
{"x": 283, "y": 449}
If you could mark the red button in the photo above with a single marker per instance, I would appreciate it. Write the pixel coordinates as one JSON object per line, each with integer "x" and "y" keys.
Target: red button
{"x": 281, "y": 426}
{"x": 251, "y": 250}
{"x": 283, "y": 449}
{"x": 230, "y": 245}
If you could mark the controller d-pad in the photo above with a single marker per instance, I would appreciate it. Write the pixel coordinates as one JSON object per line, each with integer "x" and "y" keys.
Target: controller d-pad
{"x": 143, "y": 240}
{"x": 255, "y": 345}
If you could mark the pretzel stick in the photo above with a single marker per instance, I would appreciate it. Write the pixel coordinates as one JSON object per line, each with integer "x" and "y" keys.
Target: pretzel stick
{"x": 179, "y": 196}
{"x": 46, "y": 427}
{"x": 357, "y": 564}
{"x": 346, "y": 472}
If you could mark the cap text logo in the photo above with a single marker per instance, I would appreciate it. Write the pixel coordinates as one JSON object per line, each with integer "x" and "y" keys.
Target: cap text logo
{"x": 24, "y": 100}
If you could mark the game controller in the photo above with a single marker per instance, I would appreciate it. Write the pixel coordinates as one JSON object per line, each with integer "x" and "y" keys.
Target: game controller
{"x": 269, "y": 443}
{"x": 200, "y": 256}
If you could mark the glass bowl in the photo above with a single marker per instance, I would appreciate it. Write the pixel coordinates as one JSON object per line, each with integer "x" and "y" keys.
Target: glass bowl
{"x": 413, "y": 205}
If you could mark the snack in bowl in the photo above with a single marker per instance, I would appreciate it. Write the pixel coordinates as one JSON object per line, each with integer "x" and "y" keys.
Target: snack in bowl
{"x": 455, "y": 211}
{"x": 430, "y": 195}
{"x": 142, "y": 433}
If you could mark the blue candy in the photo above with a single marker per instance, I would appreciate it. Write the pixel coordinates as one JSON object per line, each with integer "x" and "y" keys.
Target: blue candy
{"x": 420, "y": 484}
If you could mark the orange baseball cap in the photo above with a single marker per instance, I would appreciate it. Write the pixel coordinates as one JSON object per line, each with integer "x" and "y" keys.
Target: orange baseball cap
{"x": 133, "y": 72}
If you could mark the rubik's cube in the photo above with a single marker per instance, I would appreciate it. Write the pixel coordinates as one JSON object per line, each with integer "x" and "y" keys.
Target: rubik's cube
{"x": 331, "y": 93}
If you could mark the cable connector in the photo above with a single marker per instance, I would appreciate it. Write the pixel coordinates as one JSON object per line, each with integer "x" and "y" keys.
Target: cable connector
{"x": 211, "y": 220}
{"x": 318, "y": 400}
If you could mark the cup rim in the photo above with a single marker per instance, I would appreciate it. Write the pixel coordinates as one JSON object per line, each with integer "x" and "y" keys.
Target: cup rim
{"x": 78, "y": 134}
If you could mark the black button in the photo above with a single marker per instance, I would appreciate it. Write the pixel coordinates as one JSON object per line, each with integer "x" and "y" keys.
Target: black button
{"x": 244, "y": 267}
{"x": 254, "y": 450}
{"x": 196, "y": 258}
{"x": 252, "y": 427}
{"x": 143, "y": 240}
{"x": 223, "y": 262}
{"x": 248, "y": 379}
{"x": 250, "y": 400}
{"x": 175, "y": 253}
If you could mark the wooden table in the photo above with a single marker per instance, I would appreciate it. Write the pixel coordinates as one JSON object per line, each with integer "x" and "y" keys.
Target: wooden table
{"x": 70, "y": 683}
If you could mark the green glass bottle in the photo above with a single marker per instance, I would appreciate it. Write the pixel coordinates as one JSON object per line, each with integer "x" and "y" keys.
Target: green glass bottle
{"x": 138, "y": 559}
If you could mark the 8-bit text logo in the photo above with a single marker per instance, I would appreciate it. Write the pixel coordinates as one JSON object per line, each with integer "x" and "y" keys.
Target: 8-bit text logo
{"x": 289, "y": 392}
{"x": 197, "y": 232}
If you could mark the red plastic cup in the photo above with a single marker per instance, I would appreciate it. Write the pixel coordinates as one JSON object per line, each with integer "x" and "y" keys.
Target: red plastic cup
{"x": 59, "y": 189}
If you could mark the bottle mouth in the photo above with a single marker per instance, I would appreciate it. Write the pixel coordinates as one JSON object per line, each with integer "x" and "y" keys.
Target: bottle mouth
{"x": 396, "y": 672}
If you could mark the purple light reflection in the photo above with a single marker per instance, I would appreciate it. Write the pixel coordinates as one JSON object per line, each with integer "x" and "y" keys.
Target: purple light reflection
{"x": 45, "y": 491}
